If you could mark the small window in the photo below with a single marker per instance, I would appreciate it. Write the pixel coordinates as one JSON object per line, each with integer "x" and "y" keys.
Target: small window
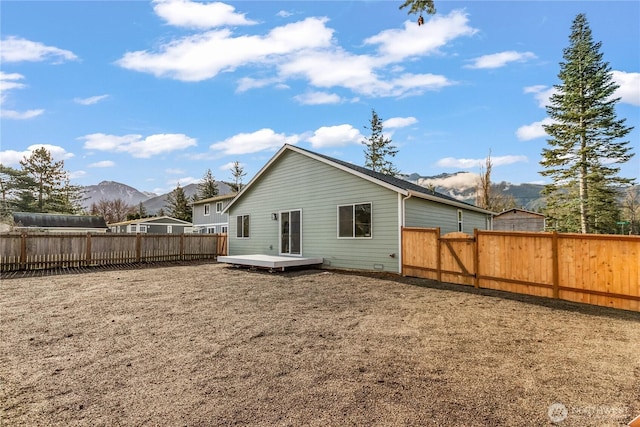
{"x": 218, "y": 207}
{"x": 211, "y": 230}
{"x": 224, "y": 229}
{"x": 207, "y": 209}
{"x": 242, "y": 226}
{"x": 460, "y": 223}
{"x": 354, "y": 221}
{"x": 169, "y": 229}
{"x": 134, "y": 228}
{"x": 143, "y": 228}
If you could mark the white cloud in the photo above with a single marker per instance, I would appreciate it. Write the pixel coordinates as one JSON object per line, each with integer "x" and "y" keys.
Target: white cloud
{"x": 497, "y": 60}
{"x": 284, "y": 14}
{"x": 413, "y": 40}
{"x": 184, "y": 13}
{"x": 629, "y": 90}
{"x": 318, "y": 98}
{"x": 452, "y": 162}
{"x": 102, "y": 164}
{"x": 14, "y": 49}
{"x": 13, "y": 157}
{"x": 399, "y": 122}
{"x": 137, "y": 145}
{"x": 533, "y": 131}
{"x": 77, "y": 174}
{"x": 227, "y": 167}
{"x": 335, "y": 136}
{"x": 91, "y": 100}
{"x": 462, "y": 181}
{"x": 260, "y": 140}
{"x": 541, "y": 93}
{"x": 9, "y": 82}
{"x": 20, "y": 115}
{"x": 203, "y": 56}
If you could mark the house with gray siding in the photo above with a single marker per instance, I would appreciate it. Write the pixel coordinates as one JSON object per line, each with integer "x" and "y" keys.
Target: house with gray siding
{"x": 305, "y": 204}
{"x": 152, "y": 225}
{"x": 209, "y": 216}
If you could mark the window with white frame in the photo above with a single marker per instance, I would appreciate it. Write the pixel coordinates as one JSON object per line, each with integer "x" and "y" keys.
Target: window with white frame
{"x": 224, "y": 229}
{"x": 134, "y": 228}
{"x": 460, "y": 223}
{"x": 354, "y": 221}
{"x": 211, "y": 230}
{"x": 142, "y": 228}
{"x": 207, "y": 209}
{"x": 242, "y": 226}
{"x": 218, "y": 207}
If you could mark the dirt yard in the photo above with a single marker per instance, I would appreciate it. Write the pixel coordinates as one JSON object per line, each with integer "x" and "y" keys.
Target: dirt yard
{"x": 206, "y": 345}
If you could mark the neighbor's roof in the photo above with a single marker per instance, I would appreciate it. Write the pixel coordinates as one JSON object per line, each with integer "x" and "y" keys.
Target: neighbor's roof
{"x": 401, "y": 186}
{"x": 215, "y": 198}
{"x": 49, "y": 220}
{"x": 157, "y": 220}
{"x": 514, "y": 210}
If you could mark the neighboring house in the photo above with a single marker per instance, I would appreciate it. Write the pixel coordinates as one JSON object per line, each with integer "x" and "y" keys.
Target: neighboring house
{"x": 208, "y": 215}
{"x": 153, "y": 225}
{"x": 58, "y": 223}
{"x": 304, "y": 204}
{"x": 519, "y": 220}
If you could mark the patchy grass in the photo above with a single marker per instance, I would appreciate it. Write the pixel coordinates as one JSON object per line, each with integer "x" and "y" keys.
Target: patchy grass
{"x": 206, "y": 344}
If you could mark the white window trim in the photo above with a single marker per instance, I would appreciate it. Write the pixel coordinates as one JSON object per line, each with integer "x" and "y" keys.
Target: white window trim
{"x": 207, "y": 209}
{"x": 280, "y": 232}
{"x": 219, "y": 207}
{"x": 460, "y": 218}
{"x": 354, "y": 221}
{"x": 248, "y": 231}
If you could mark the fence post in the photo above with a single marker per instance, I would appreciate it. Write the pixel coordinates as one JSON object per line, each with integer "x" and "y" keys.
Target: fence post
{"x": 555, "y": 260}
{"x": 23, "y": 251}
{"x": 182, "y": 247}
{"x": 438, "y": 256}
{"x": 88, "y": 255}
{"x": 476, "y": 261}
{"x": 138, "y": 247}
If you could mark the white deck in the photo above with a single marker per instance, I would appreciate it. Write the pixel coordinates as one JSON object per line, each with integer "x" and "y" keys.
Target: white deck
{"x": 269, "y": 261}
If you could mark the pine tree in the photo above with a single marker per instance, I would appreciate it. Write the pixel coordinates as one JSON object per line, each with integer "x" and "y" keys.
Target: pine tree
{"x": 237, "y": 173}
{"x": 15, "y": 186}
{"x": 178, "y": 204}
{"x": 584, "y": 148}
{"x": 52, "y": 190}
{"x": 379, "y": 148}
{"x": 207, "y": 187}
{"x": 419, "y": 6}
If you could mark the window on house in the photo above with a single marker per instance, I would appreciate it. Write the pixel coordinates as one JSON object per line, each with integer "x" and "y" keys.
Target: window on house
{"x": 354, "y": 221}
{"x": 143, "y": 228}
{"x": 460, "y": 224}
{"x": 211, "y": 230}
{"x": 207, "y": 209}
{"x": 134, "y": 228}
{"x": 169, "y": 229}
{"x": 242, "y": 226}
{"x": 218, "y": 207}
{"x": 224, "y": 229}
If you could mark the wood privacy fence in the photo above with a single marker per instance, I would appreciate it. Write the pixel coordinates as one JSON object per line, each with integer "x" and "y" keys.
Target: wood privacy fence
{"x": 35, "y": 251}
{"x": 593, "y": 269}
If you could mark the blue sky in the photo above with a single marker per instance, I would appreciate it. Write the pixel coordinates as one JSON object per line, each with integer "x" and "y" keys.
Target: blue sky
{"x": 152, "y": 94}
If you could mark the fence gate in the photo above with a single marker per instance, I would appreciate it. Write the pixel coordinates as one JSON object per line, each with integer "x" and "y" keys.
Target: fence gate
{"x": 457, "y": 258}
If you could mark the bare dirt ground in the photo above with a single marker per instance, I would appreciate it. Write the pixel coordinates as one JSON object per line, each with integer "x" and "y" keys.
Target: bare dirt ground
{"x": 206, "y": 344}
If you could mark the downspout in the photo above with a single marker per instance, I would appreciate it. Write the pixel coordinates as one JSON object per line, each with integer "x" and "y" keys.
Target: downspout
{"x": 402, "y": 224}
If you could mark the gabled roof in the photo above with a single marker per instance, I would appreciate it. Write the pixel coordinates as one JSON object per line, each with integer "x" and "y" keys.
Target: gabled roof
{"x": 152, "y": 219}
{"x": 401, "y": 186}
{"x": 48, "y": 220}
{"x": 215, "y": 198}
{"x": 514, "y": 210}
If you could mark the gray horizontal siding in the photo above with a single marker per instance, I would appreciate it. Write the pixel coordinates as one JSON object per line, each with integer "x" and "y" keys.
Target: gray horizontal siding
{"x": 426, "y": 213}
{"x": 294, "y": 182}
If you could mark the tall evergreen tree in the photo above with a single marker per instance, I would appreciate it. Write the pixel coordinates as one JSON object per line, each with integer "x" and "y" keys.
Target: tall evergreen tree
{"x": 237, "y": 173}
{"x": 207, "y": 187}
{"x": 178, "y": 204}
{"x": 379, "y": 148}
{"x": 15, "y": 190}
{"x": 584, "y": 144}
